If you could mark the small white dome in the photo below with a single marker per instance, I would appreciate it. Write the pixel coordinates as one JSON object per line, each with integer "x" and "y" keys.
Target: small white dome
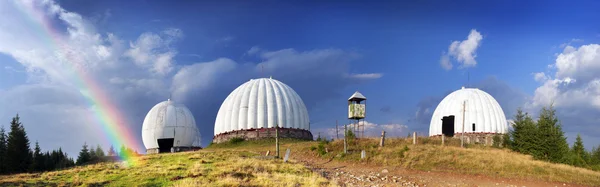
{"x": 261, "y": 103}
{"x": 482, "y": 114}
{"x": 168, "y": 120}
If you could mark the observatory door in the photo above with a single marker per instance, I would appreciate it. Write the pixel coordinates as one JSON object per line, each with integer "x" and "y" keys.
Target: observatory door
{"x": 448, "y": 126}
{"x": 164, "y": 145}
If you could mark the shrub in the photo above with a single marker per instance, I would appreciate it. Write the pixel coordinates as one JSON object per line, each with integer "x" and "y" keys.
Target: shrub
{"x": 312, "y": 148}
{"x": 402, "y": 151}
{"x": 321, "y": 148}
{"x": 236, "y": 140}
{"x": 496, "y": 141}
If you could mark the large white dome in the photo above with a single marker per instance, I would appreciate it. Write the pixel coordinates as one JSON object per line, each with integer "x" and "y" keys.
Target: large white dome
{"x": 261, "y": 103}
{"x": 482, "y": 114}
{"x": 168, "y": 121}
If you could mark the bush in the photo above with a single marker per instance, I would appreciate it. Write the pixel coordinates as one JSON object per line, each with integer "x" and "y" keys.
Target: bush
{"x": 496, "y": 141}
{"x": 312, "y": 148}
{"x": 321, "y": 148}
{"x": 236, "y": 140}
{"x": 402, "y": 151}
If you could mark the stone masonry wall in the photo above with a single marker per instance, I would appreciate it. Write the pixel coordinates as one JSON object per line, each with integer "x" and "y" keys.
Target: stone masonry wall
{"x": 251, "y": 134}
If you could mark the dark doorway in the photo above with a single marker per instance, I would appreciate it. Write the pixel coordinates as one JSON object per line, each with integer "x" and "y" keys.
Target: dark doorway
{"x": 473, "y": 127}
{"x": 448, "y": 126}
{"x": 164, "y": 145}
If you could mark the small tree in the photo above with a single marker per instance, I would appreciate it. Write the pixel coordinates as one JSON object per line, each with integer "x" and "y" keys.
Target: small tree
{"x": 553, "y": 146}
{"x": 38, "y": 159}
{"x": 111, "y": 151}
{"x": 524, "y": 134}
{"x": 595, "y": 156}
{"x": 579, "y": 153}
{"x": 93, "y": 156}
{"x": 84, "y": 155}
{"x": 506, "y": 141}
{"x": 99, "y": 152}
{"x": 18, "y": 153}
{"x": 2, "y": 151}
{"x": 496, "y": 141}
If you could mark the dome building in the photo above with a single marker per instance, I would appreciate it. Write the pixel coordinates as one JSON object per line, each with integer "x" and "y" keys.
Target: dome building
{"x": 483, "y": 116}
{"x": 253, "y": 110}
{"x": 169, "y": 127}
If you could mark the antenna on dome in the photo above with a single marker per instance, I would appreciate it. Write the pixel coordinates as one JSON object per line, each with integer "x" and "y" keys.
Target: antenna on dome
{"x": 468, "y": 78}
{"x": 170, "y": 95}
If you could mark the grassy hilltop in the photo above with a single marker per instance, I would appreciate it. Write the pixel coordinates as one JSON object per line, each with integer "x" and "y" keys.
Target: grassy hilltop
{"x": 237, "y": 164}
{"x": 217, "y": 168}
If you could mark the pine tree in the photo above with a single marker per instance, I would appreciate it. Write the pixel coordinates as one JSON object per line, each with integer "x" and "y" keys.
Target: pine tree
{"x": 2, "y": 151}
{"x": 111, "y": 151}
{"x": 523, "y": 135}
{"x": 506, "y": 141}
{"x": 93, "y": 157}
{"x": 38, "y": 159}
{"x": 48, "y": 165}
{"x": 595, "y": 156}
{"x": 553, "y": 145}
{"x": 18, "y": 153}
{"x": 123, "y": 151}
{"x": 579, "y": 155}
{"x": 84, "y": 155}
{"x": 99, "y": 152}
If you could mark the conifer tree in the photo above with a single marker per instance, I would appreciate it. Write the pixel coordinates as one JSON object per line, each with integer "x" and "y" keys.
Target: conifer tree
{"x": 111, "y": 151}
{"x": 506, "y": 141}
{"x": 84, "y": 155}
{"x": 99, "y": 152}
{"x": 579, "y": 151}
{"x": 552, "y": 145}
{"x": 3, "y": 161}
{"x": 38, "y": 159}
{"x": 93, "y": 157}
{"x": 595, "y": 156}
{"x": 523, "y": 135}
{"x": 18, "y": 153}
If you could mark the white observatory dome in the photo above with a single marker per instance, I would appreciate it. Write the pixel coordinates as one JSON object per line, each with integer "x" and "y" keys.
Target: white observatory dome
{"x": 169, "y": 125}
{"x": 262, "y": 103}
{"x": 483, "y": 115}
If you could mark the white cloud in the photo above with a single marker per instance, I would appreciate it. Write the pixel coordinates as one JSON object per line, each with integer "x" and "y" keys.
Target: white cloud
{"x": 254, "y": 50}
{"x": 464, "y": 52}
{"x": 574, "y": 40}
{"x": 200, "y": 76}
{"x": 445, "y": 62}
{"x": 366, "y": 75}
{"x": 574, "y": 90}
{"x": 540, "y": 77}
{"x": 576, "y": 81}
{"x": 153, "y": 52}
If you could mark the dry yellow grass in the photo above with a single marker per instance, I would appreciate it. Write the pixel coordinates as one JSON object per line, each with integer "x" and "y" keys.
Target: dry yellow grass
{"x": 477, "y": 160}
{"x": 201, "y": 168}
{"x": 429, "y": 155}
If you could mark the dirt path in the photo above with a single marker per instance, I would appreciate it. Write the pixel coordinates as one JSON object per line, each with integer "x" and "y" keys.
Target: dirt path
{"x": 357, "y": 174}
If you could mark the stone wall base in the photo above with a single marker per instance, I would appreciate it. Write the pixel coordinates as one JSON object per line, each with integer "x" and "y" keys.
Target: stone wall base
{"x": 252, "y": 134}
{"x": 174, "y": 149}
{"x": 478, "y": 138}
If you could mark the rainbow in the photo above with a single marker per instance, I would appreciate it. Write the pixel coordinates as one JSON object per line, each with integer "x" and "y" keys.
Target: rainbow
{"x": 105, "y": 112}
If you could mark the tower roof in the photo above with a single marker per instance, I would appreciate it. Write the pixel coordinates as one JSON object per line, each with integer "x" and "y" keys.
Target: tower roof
{"x": 357, "y": 96}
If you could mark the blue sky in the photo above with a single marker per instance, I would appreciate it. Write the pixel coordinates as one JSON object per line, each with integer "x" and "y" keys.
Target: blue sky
{"x": 390, "y": 51}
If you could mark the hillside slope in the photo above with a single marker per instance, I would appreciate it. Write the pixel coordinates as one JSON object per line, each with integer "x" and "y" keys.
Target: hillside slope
{"x": 429, "y": 156}
{"x": 323, "y": 164}
{"x": 222, "y": 168}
